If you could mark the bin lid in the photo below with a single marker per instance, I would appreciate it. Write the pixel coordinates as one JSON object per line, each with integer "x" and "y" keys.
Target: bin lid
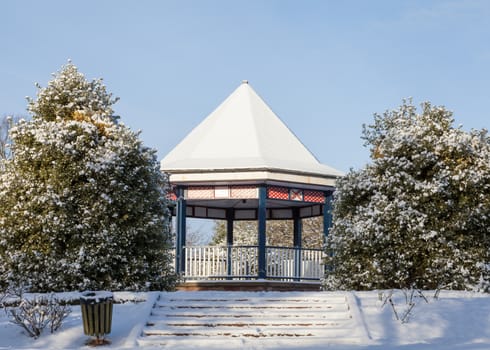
{"x": 96, "y": 295}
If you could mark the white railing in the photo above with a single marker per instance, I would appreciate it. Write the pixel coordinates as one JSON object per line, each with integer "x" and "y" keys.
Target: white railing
{"x": 294, "y": 263}
{"x": 241, "y": 262}
{"x": 313, "y": 263}
{"x": 244, "y": 261}
{"x": 221, "y": 262}
{"x": 205, "y": 261}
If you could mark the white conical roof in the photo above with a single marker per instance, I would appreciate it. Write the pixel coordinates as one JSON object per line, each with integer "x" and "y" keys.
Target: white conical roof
{"x": 243, "y": 133}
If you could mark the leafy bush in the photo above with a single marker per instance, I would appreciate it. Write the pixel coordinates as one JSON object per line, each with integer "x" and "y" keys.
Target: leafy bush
{"x": 419, "y": 214}
{"x": 83, "y": 200}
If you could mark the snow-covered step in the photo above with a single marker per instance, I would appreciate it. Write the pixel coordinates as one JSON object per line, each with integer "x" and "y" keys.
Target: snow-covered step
{"x": 261, "y": 298}
{"x": 258, "y": 313}
{"x": 261, "y": 330}
{"x": 214, "y": 323}
{"x": 207, "y": 309}
{"x": 334, "y": 299}
{"x": 250, "y": 305}
{"x": 247, "y": 318}
{"x": 187, "y": 319}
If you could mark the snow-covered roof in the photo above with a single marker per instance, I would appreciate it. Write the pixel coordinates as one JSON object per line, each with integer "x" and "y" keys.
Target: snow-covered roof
{"x": 243, "y": 135}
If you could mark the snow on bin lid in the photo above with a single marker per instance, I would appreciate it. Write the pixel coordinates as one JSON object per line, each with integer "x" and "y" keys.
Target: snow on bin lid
{"x": 96, "y": 296}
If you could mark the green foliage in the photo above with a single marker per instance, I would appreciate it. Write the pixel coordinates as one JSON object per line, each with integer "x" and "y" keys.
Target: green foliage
{"x": 69, "y": 92}
{"x": 83, "y": 201}
{"x": 278, "y": 233}
{"x": 419, "y": 214}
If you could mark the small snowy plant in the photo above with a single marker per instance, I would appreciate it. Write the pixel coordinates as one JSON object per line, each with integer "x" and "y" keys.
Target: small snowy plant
{"x": 83, "y": 200}
{"x": 419, "y": 214}
{"x": 34, "y": 315}
{"x": 403, "y": 311}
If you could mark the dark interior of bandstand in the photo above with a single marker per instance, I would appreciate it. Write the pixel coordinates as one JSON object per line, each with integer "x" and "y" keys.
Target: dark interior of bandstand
{"x": 258, "y": 266}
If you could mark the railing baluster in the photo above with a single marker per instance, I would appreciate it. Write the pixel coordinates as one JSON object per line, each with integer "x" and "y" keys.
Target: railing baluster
{"x": 189, "y": 263}
{"x": 211, "y": 261}
{"x": 214, "y": 265}
{"x": 206, "y": 261}
{"x": 195, "y": 255}
{"x": 217, "y": 261}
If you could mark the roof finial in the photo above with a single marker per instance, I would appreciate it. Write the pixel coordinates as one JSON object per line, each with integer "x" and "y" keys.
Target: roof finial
{"x": 244, "y": 81}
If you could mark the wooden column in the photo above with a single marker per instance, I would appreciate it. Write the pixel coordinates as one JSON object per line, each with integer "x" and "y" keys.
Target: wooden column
{"x": 262, "y": 217}
{"x": 327, "y": 214}
{"x": 297, "y": 238}
{"x": 230, "y": 215}
{"x": 181, "y": 217}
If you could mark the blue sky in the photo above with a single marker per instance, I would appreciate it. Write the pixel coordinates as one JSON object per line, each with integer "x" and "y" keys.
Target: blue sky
{"x": 324, "y": 67}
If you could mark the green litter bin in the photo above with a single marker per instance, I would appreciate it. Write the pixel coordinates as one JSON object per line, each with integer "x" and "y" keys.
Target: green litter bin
{"x": 97, "y": 314}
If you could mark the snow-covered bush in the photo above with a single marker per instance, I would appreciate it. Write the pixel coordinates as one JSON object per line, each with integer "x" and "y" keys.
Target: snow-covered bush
{"x": 35, "y": 314}
{"x": 419, "y": 214}
{"x": 83, "y": 201}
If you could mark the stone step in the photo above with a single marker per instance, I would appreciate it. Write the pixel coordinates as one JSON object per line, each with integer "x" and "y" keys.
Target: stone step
{"x": 215, "y": 323}
{"x": 220, "y": 296}
{"x": 225, "y": 343}
{"x": 266, "y": 332}
{"x": 245, "y": 314}
{"x": 183, "y": 319}
{"x": 252, "y": 308}
{"x": 256, "y": 299}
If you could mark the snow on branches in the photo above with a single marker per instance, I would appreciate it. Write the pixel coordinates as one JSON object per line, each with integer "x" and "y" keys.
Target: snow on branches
{"x": 419, "y": 214}
{"x": 83, "y": 201}
{"x": 68, "y": 92}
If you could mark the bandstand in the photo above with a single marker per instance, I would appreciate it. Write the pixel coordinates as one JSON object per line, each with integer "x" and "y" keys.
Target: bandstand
{"x": 243, "y": 163}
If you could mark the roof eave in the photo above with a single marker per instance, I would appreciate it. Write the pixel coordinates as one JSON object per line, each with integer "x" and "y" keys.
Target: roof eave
{"x": 250, "y": 175}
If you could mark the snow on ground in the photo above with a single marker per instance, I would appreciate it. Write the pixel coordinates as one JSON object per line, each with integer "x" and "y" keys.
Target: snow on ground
{"x": 129, "y": 317}
{"x": 455, "y": 321}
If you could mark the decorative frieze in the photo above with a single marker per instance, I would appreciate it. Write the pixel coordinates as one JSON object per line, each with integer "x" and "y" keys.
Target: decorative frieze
{"x": 295, "y": 194}
{"x": 251, "y": 192}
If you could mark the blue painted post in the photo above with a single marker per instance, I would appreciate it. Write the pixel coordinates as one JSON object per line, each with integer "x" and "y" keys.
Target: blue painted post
{"x": 327, "y": 214}
{"x": 181, "y": 231}
{"x": 230, "y": 213}
{"x": 327, "y": 222}
{"x": 297, "y": 237}
{"x": 262, "y": 216}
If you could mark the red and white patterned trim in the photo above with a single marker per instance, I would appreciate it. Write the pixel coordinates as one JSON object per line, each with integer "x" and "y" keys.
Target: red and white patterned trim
{"x": 314, "y": 196}
{"x": 251, "y": 192}
{"x": 295, "y": 194}
{"x": 222, "y": 192}
{"x": 278, "y": 193}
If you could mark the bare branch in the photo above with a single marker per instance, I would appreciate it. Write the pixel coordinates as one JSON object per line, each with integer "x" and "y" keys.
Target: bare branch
{"x": 6, "y": 123}
{"x": 33, "y": 315}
